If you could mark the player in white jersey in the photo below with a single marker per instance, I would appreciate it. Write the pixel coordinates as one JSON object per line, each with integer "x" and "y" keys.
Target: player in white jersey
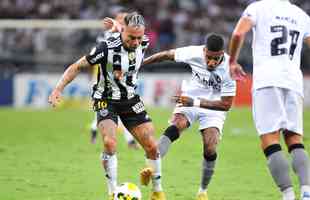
{"x": 114, "y": 96}
{"x": 279, "y": 28}
{"x": 206, "y": 99}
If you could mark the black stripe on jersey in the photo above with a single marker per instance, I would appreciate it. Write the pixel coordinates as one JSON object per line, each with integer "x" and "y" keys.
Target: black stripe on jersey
{"x": 132, "y": 67}
{"x": 117, "y": 62}
{"x": 122, "y": 89}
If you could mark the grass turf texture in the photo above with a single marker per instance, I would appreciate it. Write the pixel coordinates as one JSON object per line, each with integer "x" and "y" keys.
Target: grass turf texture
{"x": 47, "y": 155}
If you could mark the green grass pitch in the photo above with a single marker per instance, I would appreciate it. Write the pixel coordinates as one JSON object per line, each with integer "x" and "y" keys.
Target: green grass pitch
{"x": 46, "y": 155}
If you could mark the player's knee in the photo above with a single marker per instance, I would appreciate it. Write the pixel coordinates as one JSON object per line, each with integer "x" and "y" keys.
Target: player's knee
{"x": 110, "y": 144}
{"x": 180, "y": 121}
{"x": 209, "y": 149}
{"x": 271, "y": 149}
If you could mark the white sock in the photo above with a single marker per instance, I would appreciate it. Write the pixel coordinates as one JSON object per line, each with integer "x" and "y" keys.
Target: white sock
{"x": 109, "y": 163}
{"x": 94, "y": 124}
{"x": 156, "y": 178}
{"x": 303, "y": 189}
{"x": 288, "y": 194}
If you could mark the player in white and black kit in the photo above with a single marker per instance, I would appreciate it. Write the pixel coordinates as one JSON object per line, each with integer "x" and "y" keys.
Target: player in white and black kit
{"x": 120, "y": 58}
{"x": 206, "y": 99}
{"x": 279, "y": 28}
{"x": 112, "y": 28}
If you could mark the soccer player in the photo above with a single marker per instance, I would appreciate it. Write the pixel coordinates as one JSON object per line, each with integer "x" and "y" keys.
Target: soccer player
{"x": 119, "y": 57}
{"x": 279, "y": 29}
{"x": 206, "y": 99}
{"x": 111, "y": 26}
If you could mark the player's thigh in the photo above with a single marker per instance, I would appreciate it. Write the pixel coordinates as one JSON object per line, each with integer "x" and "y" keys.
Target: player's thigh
{"x": 294, "y": 112}
{"x": 211, "y": 119}
{"x": 107, "y": 128}
{"x": 268, "y": 109}
{"x": 180, "y": 121}
{"x": 144, "y": 134}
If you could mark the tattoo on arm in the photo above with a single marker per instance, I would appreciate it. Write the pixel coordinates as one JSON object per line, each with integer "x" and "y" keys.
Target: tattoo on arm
{"x": 161, "y": 56}
{"x": 222, "y": 105}
{"x": 71, "y": 72}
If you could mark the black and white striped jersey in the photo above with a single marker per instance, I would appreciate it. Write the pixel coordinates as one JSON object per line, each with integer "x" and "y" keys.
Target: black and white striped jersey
{"x": 111, "y": 56}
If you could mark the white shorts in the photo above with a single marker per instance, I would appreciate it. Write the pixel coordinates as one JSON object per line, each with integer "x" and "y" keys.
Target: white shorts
{"x": 276, "y": 109}
{"x": 206, "y": 118}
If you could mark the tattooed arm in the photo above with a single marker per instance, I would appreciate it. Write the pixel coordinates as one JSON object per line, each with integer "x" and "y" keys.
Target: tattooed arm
{"x": 222, "y": 105}
{"x": 161, "y": 56}
{"x": 71, "y": 72}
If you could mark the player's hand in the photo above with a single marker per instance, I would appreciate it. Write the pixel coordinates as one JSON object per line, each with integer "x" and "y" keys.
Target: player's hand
{"x": 183, "y": 101}
{"x": 54, "y": 98}
{"x": 108, "y": 23}
{"x": 236, "y": 72}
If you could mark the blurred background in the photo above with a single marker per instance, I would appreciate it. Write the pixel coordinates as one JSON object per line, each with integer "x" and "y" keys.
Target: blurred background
{"x": 33, "y": 54}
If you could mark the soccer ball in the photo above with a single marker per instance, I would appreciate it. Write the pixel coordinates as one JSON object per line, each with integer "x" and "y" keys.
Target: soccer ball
{"x": 127, "y": 191}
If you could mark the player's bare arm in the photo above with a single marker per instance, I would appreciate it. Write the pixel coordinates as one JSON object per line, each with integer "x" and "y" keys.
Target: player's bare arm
{"x": 243, "y": 27}
{"x": 222, "y": 105}
{"x": 161, "y": 56}
{"x": 71, "y": 72}
{"x": 307, "y": 41}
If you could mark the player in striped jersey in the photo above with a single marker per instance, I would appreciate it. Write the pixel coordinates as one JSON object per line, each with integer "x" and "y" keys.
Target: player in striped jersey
{"x": 111, "y": 26}
{"x": 279, "y": 30}
{"x": 114, "y": 95}
{"x": 206, "y": 99}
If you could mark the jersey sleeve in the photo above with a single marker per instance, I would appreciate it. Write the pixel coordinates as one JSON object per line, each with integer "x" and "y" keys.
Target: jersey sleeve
{"x": 182, "y": 54}
{"x": 98, "y": 54}
{"x": 251, "y": 12}
{"x": 229, "y": 85}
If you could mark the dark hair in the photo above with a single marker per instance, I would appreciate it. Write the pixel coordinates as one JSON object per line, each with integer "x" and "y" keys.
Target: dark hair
{"x": 134, "y": 19}
{"x": 214, "y": 42}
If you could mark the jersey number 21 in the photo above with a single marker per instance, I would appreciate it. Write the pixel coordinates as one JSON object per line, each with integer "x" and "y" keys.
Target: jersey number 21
{"x": 286, "y": 34}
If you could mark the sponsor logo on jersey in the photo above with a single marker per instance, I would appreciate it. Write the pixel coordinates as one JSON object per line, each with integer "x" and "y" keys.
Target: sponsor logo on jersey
{"x": 99, "y": 56}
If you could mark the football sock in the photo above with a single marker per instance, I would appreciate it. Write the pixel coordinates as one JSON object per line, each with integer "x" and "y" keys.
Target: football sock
{"x": 109, "y": 163}
{"x": 278, "y": 166}
{"x": 288, "y": 194}
{"x": 156, "y": 177}
{"x": 171, "y": 134}
{"x": 208, "y": 165}
{"x": 300, "y": 163}
{"x": 93, "y": 126}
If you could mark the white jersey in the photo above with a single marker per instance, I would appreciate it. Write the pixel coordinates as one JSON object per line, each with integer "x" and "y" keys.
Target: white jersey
{"x": 279, "y": 31}
{"x": 211, "y": 85}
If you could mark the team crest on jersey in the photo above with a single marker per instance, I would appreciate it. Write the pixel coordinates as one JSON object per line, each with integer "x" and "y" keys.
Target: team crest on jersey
{"x": 104, "y": 112}
{"x": 131, "y": 56}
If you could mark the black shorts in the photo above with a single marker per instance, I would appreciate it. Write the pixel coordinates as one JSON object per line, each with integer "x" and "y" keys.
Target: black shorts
{"x": 132, "y": 112}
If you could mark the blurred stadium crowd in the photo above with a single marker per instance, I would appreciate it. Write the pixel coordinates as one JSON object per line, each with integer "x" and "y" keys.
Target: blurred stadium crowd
{"x": 171, "y": 23}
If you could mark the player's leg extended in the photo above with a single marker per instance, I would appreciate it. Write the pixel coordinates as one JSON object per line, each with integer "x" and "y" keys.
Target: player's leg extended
{"x": 144, "y": 133}
{"x": 277, "y": 163}
{"x": 108, "y": 130}
{"x": 178, "y": 123}
{"x": 210, "y": 138}
{"x": 300, "y": 162}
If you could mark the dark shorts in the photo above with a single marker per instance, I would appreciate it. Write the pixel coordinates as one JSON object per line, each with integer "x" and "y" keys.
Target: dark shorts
{"x": 131, "y": 112}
